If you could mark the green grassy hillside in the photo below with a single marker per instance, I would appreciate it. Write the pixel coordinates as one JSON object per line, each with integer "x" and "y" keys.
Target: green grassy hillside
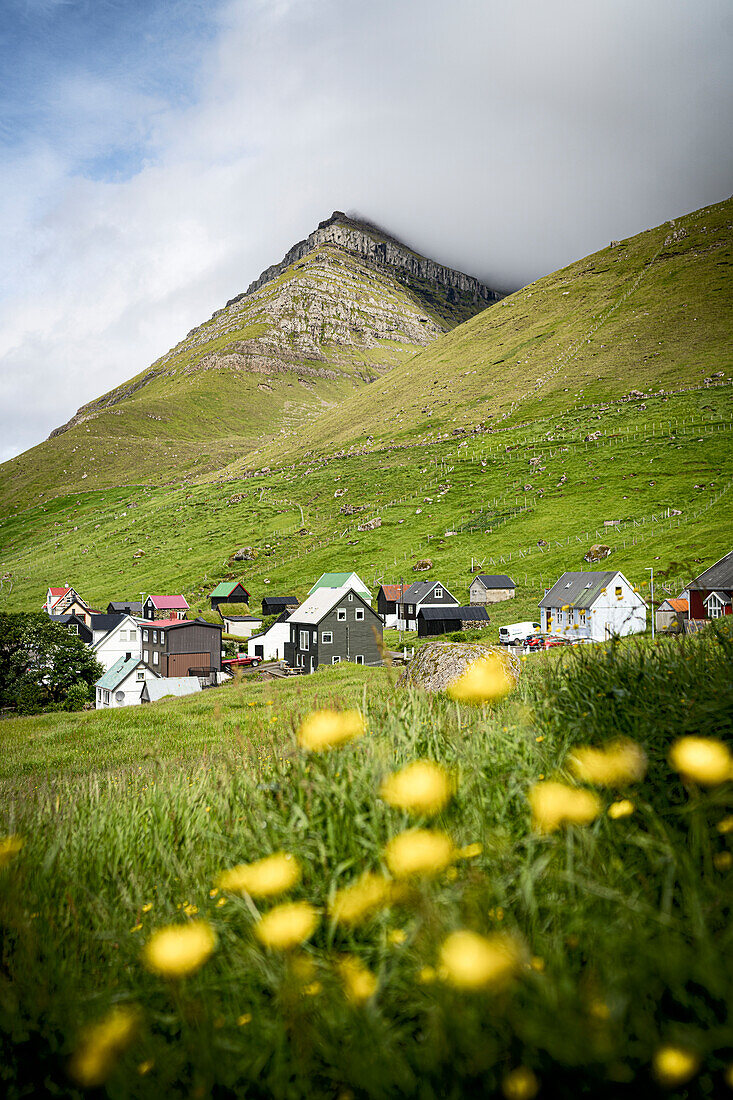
{"x": 485, "y": 493}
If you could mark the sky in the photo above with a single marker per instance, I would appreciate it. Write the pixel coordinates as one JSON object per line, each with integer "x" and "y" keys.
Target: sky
{"x": 156, "y": 155}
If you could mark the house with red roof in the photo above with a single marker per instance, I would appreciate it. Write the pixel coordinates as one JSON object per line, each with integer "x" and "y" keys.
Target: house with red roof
{"x": 66, "y": 601}
{"x": 388, "y": 597}
{"x": 165, "y": 607}
{"x": 672, "y": 614}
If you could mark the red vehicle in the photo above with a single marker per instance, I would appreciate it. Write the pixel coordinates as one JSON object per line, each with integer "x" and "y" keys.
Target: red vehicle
{"x": 536, "y": 641}
{"x": 550, "y": 643}
{"x": 242, "y": 662}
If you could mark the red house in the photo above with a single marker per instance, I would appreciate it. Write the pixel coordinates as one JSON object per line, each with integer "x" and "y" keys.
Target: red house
{"x": 711, "y": 593}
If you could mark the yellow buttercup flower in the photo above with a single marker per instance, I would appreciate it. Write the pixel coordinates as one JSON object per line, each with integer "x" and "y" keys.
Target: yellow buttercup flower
{"x": 485, "y": 680}
{"x": 418, "y": 852}
{"x": 555, "y": 804}
{"x": 725, "y": 825}
{"x": 624, "y": 808}
{"x": 614, "y": 765}
{"x": 469, "y": 852}
{"x": 470, "y": 961}
{"x": 179, "y": 949}
{"x": 327, "y": 729}
{"x": 674, "y": 1066}
{"x": 520, "y": 1084}
{"x": 397, "y": 937}
{"x": 9, "y": 847}
{"x": 355, "y": 903}
{"x": 420, "y": 788}
{"x": 287, "y": 925}
{"x": 702, "y": 760}
{"x": 264, "y": 878}
{"x": 101, "y": 1044}
{"x": 359, "y": 982}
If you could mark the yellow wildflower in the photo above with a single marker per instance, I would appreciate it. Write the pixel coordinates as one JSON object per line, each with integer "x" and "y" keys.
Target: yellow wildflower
{"x": 244, "y": 1019}
{"x": 624, "y": 808}
{"x": 147, "y": 906}
{"x": 555, "y": 804}
{"x": 9, "y": 847}
{"x": 136, "y": 928}
{"x": 723, "y": 861}
{"x": 355, "y": 903}
{"x": 179, "y": 949}
{"x": 190, "y": 909}
{"x": 674, "y": 1066}
{"x": 101, "y": 1044}
{"x": 725, "y": 825}
{"x": 427, "y": 975}
{"x": 264, "y": 878}
{"x": 359, "y": 982}
{"x": 702, "y": 760}
{"x": 614, "y": 765}
{"x": 520, "y": 1084}
{"x": 469, "y": 852}
{"x": 470, "y": 961}
{"x": 420, "y": 788}
{"x": 484, "y": 680}
{"x": 397, "y": 937}
{"x": 145, "y": 1067}
{"x": 287, "y": 925}
{"x": 220, "y": 902}
{"x": 327, "y": 729}
{"x": 418, "y": 852}
{"x": 312, "y": 989}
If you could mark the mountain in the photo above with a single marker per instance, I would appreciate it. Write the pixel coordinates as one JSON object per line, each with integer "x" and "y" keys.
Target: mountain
{"x": 592, "y": 406}
{"x": 343, "y": 307}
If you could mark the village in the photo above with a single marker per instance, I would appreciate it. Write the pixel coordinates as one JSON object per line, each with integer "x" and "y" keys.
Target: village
{"x": 151, "y": 649}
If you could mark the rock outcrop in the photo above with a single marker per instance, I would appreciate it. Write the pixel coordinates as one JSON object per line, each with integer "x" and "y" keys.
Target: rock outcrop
{"x": 437, "y": 664}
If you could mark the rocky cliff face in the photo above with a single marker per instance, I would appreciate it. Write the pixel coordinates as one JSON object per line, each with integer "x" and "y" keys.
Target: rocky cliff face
{"x": 363, "y": 239}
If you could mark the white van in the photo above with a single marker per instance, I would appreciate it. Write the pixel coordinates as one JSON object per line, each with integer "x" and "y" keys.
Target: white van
{"x": 517, "y": 632}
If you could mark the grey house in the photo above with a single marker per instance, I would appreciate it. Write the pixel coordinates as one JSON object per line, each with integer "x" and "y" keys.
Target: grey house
{"x": 418, "y": 595}
{"x": 332, "y": 626}
{"x": 491, "y": 588}
{"x": 444, "y": 620}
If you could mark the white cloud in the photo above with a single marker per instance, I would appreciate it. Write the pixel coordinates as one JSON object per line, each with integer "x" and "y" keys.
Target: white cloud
{"x": 504, "y": 139}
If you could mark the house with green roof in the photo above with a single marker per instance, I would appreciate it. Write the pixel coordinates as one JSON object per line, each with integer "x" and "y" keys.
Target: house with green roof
{"x": 122, "y": 684}
{"x": 342, "y": 581}
{"x": 229, "y": 592}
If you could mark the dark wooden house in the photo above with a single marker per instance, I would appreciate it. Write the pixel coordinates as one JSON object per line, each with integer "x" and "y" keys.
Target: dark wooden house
{"x": 444, "y": 620}
{"x": 388, "y": 598}
{"x": 75, "y": 625}
{"x": 229, "y": 592}
{"x": 332, "y": 626}
{"x": 187, "y": 647}
{"x": 125, "y": 607}
{"x": 275, "y": 605}
{"x": 165, "y": 607}
{"x": 422, "y": 594}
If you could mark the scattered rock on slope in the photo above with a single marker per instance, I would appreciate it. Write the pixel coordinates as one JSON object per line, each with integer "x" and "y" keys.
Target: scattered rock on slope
{"x": 436, "y": 664}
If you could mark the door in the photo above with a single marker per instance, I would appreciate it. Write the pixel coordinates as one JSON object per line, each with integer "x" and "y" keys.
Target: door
{"x": 259, "y": 651}
{"x": 549, "y": 621}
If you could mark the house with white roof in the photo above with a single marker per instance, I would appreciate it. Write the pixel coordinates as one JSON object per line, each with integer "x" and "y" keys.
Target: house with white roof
{"x": 596, "y": 605}
{"x": 331, "y": 626}
{"x": 122, "y": 683}
{"x": 153, "y": 690}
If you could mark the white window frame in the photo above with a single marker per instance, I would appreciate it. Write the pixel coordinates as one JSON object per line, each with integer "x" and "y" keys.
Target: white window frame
{"x": 304, "y": 639}
{"x": 156, "y": 657}
{"x": 123, "y": 635}
{"x": 351, "y": 597}
{"x": 155, "y": 636}
{"x": 341, "y": 615}
{"x": 359, "y": 615}
{"x": 145, "y": 635}
{"x": 619, "y": 591}
{"x": 133, "y": 635}
{"x": 146, "y": 656}
{"x": 359, "y": 658}
{"x": 335, "y": 660}
{"x": 140, "y": 674}
{"x": 438, "y": 593}
{"x": 326, "y": 637}
{"x": 716, "y": 608}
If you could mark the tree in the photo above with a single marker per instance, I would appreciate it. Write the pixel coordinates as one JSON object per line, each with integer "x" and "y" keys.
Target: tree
{"x": 40, "y": 661}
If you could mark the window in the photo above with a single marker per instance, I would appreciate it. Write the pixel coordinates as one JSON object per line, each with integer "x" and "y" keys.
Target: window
{"x": 123, "y": 635}
{"x": 439, "y": 593}
{"x": 619, "y": 592}
{"x": 133, "y": 635}
{"x": 140, "y": 675}
{"x": 335, "y": 660}
{"x": 73, "y": 628}
{"x": 351, "y": 597}
{"x": 155, "y": 635}
{"x": 156, "y": 657}
{"x": 327, "y": 637}
{"x": 146, "y": 656}
{"x": 341, "y": 615}
{"x": 359, "y": 614}
{"x": 304, "y": 638}
{"x": 582, "y": 615}
{"x": 569, "y": 584}
{"x": 145, "y": 635}
{"x": 106, "y": 697}
{"x": 359, "y": 658}
{"x": 99, "y": 695}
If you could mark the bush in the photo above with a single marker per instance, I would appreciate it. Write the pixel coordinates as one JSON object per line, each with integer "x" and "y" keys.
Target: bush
{"x": 78, "y": 696}
{"x": 30, "y": 698}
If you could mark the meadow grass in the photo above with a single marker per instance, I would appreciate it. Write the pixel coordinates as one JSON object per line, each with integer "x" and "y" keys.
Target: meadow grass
{"x": 623, "y": 924}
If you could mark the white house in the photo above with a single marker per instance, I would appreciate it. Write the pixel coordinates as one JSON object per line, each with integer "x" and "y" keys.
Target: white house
{"x": 420, "y": 595}
{"x": 595, "y": 605}
{"x": 115, "y": 636}
{"x": 122, "y": 684}
{"x": 241, "y": 626}
{"x": 270, "y": 645}
{"x": 342, "y": 582}
{"x": 153, "y": 690}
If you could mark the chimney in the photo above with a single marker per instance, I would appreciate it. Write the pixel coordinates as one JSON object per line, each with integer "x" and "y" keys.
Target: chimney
{"x": 128, "y": 656}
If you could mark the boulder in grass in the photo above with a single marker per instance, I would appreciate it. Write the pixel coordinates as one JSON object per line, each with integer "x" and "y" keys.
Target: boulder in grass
{"x": 422, "y": 565}
{"x": 436, "y": 664}
{"x": 597, "y": 552}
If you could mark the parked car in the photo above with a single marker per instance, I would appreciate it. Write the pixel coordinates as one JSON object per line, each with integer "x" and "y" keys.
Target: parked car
{"x": 535, "y": 641}
{"x": 516, "y": 633}
{"x": 242, "y": 662}
{"x": 550, "y": 643}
